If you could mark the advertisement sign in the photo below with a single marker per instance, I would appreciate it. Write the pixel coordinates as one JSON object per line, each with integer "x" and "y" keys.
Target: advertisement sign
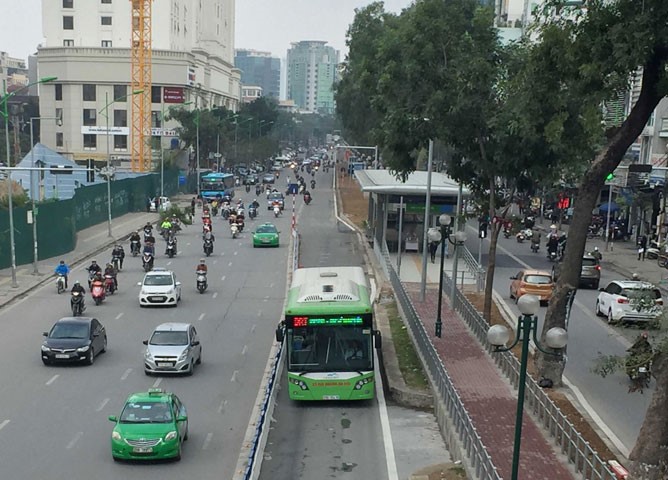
{"x": 95, "y": 130}
{"x": 173, "y": 95}
{"x": 191, "y": 78}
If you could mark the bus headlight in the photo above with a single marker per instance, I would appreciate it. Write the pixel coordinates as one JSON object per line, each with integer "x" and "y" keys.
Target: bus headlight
{"x": 362, "y": 382}
{"x": 299, "y": 383}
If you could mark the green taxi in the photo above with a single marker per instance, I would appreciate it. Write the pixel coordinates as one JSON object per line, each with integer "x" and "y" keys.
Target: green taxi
{"x": 265, "y": 235}
{"x": 153, "y": 425}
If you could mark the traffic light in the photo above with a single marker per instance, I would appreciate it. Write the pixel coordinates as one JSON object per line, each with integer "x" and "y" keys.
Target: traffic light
{"x": 482, "y": 230}
{"x": 610, "y": 177}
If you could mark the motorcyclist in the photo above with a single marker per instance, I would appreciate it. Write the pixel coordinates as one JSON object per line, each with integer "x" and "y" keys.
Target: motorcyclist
{"x": 552, "y": 244}
{"x": 562, "y": 244}
{"x": 111, "y": 271}
{"x": 149, "y": 248}
{"x": 120, "y": 253}
{"x": 596, "y": 253}
{"x": 135, "y": 237}
{"x": 313, "y": 183}
{"x": 639, "y": 355}
{"x": 77, "y": 287}
{"x": 535, "y": 238}
{"x": 94, "y": 268}
{"x": 148, "y": 228}
{"x": 165, "y": 226}
{"x": 255, "y": 204}
{"x": 64, "y": 270}
{"x": 171, "y": 240}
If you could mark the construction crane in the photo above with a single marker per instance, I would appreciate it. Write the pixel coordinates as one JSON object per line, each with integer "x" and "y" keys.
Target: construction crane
{"x": 141, "y": 82}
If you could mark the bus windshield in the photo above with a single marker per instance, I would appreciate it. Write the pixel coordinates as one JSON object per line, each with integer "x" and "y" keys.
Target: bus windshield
{"x": 330, "y": 349}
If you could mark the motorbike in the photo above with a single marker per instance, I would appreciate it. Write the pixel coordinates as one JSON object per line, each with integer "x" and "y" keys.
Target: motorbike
{"x": 116, "y": 262}
{"x": 640, "y": 375}
{"x": 147, "y": 262}
{"x": 208, "y": 247}
{"x": 134, "y": 247}
{"x": 520, "y": 237}
{"x": 214, "y": 210}
{"x": 240, "y": 224}
{"x": 206, "y": 228}
{"x": 109, "y": 284}
{"x": 653, "y": 251}
{"x": 277, "y": 211}
{"x": 307, "y": 199}
{"x": 552, "y": 255}
{"x": 171, "y": 248}
{"x": 312, "y": 184}
{"x": 60, "y": 284}
{"x": 97, "y": 292}
{"x": 226, "y": 212}
{"x": 535, "y": 246}
{"x": 91, "y": 276}
{"x": 235, "y": 230}
{"x": 77, "y": 303}
{"x": 201, "y": 281}
{"x": 252, "y": 212}
{"x": 148, "y": 232}
{"x": 594, "y": 231}
{"x": 301, "y": 188}
{"x": 506, "y": 232}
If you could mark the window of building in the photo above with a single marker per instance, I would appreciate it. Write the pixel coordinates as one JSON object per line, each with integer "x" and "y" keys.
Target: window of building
{"x": 59, "y": 91}
{"x": 120, "y": 118}
{"x": 106, "y": 43}
{"x": 120, "y": 93}
{"x": 156, "y": 94}
{"x": 120, "y": 142}
{"x": 59, "y": 113}
{"x": 88, "y": 93}
{"x": 59, "y": 139}
{"x": 68, "y": 3}
{"x": 156, "y": 143}
{"x": 68, "y": 23}
{"x": 90, "y": 141}
{"x": 105, "y": 20}
{"x": 68, "y": 43}
{"x": 156, "y": 119}
{"x": 89, "y": 117}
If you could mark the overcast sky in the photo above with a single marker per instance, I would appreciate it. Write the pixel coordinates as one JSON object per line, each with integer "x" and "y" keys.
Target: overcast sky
{"x": 267, "y": 25}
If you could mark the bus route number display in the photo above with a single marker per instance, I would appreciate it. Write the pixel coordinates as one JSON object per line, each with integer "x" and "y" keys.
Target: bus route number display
{"x": 302, "y": 321}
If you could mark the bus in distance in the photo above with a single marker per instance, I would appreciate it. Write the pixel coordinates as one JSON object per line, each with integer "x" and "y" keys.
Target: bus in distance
{"x": 213, "y": 184}
{"x": 329, "y": 336}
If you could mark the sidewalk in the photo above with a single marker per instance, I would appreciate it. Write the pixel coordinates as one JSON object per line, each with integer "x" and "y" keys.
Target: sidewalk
{"x": 488, "y": 397}
{"x": 89, "y": 242}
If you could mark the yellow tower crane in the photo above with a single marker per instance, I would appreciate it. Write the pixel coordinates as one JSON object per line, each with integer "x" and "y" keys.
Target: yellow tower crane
{"x": 141, "y": 81}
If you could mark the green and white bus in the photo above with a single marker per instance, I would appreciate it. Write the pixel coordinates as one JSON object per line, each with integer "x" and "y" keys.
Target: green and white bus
{"x": 329, "y": 336}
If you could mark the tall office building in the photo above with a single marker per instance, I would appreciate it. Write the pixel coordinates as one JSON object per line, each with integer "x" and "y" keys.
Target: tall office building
{"x": 259, "y": 69}
{"x": 312, "y": 71}
{"x": 87, "y": 46}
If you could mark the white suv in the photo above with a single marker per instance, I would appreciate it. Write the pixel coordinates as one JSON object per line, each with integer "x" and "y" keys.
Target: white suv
{"x": 629, "y": 301}
{"x": 159, "y": 288}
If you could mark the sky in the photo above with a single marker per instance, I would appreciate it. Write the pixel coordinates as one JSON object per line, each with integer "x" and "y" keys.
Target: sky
{"x": 266, "y": 25}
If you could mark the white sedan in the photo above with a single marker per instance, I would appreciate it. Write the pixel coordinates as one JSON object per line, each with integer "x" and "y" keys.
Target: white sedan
{"x": 159, "y": 288}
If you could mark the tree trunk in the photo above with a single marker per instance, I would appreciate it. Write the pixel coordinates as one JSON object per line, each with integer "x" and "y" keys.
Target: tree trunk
{"x": 649, "y": 455}
{"x": 552, "y": 366}
{"x": 491, "y": 258}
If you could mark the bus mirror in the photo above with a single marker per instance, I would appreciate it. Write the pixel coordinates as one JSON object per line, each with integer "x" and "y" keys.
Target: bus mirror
{"x": 378, "y": 339}
{"x": 279, "y": 335}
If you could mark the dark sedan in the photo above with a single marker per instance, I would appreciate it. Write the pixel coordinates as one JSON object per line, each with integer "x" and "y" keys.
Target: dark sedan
{"x": 74, "y": 340}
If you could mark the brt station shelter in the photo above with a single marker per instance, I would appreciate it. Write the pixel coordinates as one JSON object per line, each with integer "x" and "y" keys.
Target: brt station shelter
{"x": 387, "y": 193}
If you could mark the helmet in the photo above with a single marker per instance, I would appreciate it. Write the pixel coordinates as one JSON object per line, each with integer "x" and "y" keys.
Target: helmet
{"x": 94, "y": 261}
{"x": 62, "y": 262}
{"x": 644, "y": 335}
{"x": 635, "y": 276}
{"x": 201, "y": 260}
{"x": 553, "y": 226}
{"x": 596, "y": 249}
{"x": 76, "y": 282}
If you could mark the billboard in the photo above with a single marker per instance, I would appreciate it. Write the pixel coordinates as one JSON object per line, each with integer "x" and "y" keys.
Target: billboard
{"x": 173, "y": 95}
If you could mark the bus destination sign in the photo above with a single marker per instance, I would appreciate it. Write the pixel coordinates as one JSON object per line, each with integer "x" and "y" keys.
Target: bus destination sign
{"x": 302, "y": 321}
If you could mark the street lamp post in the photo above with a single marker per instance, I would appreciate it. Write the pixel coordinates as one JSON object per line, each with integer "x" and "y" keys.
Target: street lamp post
{"x": 105, "y": 111}
{"x": 444, "y": 220}
{"x": 35, "y": 270}
{"x": 10, "y": 203}
{"x": 498, "y": 335}
{"x": 460, "y": 238}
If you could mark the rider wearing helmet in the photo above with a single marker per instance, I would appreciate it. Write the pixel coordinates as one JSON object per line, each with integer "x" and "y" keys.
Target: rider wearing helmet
{"x": 78, "y": 288}
{"x": 201, "y": 266}
{"x": 596, "y": 253}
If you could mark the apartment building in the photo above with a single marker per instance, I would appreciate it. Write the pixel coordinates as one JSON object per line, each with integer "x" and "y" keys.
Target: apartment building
{"x": 13, "y": 72}
{"x": 259, "y": 69}
{"x": 312, "y": 72}
{"x": 87, "y": 46}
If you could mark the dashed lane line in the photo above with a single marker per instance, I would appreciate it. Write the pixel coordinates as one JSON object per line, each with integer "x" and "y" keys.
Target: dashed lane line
{"x": 201, "y": 316}
{"x": 126, "y": 374}
{"x": 102, "y": 404}
{"x": 4, "y": 424}
{"x": 157, "y": 383}
{"x": 207, "y": 441}
{"x": 74, "y": 441}
{"x": 52, "y": 379}
{"x": 119, "y": 315}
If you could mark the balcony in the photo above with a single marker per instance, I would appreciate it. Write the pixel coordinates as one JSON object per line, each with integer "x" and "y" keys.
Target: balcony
{"x": 663, "y": 130}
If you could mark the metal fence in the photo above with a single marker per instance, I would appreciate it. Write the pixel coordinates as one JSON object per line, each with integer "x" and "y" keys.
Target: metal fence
{"x": 474, "y": 267}
{"x": 570, "y": 442}
{"x": 472, "y": 445}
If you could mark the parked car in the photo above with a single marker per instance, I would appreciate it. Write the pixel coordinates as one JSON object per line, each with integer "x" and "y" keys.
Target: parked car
{"x": 74, "y": 340}
{"x": 590, "y": 274}
{"x": 630, "y": 301}
{"x": 532, "y": 282}
{"x": 172, "y": 348}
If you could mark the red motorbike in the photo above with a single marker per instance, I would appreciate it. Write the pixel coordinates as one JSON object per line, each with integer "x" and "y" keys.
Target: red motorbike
{"x": 109, "y": 284}
{"x": 97, "y": 291}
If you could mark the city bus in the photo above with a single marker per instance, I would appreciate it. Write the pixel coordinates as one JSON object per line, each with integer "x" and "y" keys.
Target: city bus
{"x": 329, "y": 336}
{"x": 213, "y": 184}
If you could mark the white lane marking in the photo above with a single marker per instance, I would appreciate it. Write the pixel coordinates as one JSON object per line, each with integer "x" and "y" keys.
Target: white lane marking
{"x": 265, "y": 299}
{"x": 271, "y": 285}
{"x": 215, "y": 261}
{"x": 235, "y": 253}
{"x": 119, "y": 315}
{"x": 74, "y": 441}
{"x": 221, "y": 407}
{"x": 207, "y": 441}
{"x": 52, "y": 379}
{"x": 222, "y": 254}
{"x": 170, "y": 262}
{"x": 244, "y": 350}
{"x": 215, "y": 294}
{"x": 188, "y": 244}
{"x": 259, "y": 313}
{"x": 3, "y": 424}
{"x": 253, "y": 329}
{"x": 229, "y": 264}
{"x": 126, "y": 374}
{"x": 223, "y": 278}
{"x": 201, "y": 316}
{"x": 102, "y": 404}
{"x": 234, "y": 376}
{"x": 157, "y": 383}
{"x": 385, "y": 425}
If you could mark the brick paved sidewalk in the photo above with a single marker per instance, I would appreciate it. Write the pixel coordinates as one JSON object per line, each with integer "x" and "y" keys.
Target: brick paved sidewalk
{"x": 488, "y": 398}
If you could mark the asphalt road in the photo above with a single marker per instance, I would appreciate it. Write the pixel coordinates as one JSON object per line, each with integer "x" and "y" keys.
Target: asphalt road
{"x": 53, "y": 422}
{"x": 588, "y": 335}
